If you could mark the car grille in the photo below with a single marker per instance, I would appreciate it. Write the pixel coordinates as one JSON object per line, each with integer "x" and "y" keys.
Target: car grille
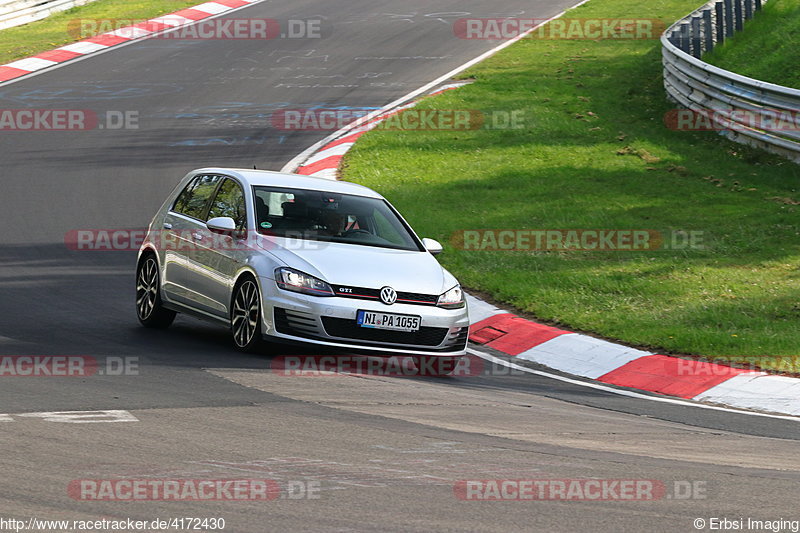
{"x": 361, "y": 293}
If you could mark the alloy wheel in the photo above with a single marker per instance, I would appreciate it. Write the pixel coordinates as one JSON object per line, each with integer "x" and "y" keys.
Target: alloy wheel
{"x": 245, "y": 314}
{"x": 147, "y": 288}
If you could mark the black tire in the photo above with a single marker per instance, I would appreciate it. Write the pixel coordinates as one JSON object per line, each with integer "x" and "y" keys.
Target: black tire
{"x": 436, "y": 367}
{"x": 150, "y": 309}
{"x": 246, "y": 316}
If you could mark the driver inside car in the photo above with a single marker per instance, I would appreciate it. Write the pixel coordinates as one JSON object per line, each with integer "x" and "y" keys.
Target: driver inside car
{"x": 333, "y": 222}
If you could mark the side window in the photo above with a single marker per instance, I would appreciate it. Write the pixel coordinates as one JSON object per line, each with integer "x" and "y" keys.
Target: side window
{"x": 193, "y": 200}
{"x": 229, "y": 202}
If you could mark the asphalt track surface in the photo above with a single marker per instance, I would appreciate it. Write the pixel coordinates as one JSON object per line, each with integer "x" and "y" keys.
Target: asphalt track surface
{"x": 385, "y": 451}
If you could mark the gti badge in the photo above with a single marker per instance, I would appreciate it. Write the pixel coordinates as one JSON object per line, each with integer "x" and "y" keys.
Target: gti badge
{"x": 388, "y": 295}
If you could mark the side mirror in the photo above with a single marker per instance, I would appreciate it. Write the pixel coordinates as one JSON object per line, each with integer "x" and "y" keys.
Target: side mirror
{"x": 222, "y": 225}
{"x": 432, "y": 246}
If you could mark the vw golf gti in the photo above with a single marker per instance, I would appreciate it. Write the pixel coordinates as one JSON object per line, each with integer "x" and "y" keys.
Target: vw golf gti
{"x": 293, "y": 258}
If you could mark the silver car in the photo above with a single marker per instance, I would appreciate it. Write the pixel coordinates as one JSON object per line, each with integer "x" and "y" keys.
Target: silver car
{"x": 293, "y": 258}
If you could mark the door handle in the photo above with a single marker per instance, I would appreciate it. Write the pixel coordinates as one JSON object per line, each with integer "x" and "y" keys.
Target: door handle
{"x": 197, "y": 236}
{"x": 167, "y": 225}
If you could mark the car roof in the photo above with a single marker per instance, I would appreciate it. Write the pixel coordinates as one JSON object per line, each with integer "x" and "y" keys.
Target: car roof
{"x": 294, "y": 181}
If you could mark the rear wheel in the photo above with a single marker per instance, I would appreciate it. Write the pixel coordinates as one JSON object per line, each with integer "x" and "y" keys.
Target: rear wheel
{"x": 436, "y": 367}
{"x": 246, "y": 316}
{"x": 149, "y": 307}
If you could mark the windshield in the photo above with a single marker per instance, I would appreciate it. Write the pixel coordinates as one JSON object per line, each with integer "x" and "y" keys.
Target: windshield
{"x": 332, "y": 217}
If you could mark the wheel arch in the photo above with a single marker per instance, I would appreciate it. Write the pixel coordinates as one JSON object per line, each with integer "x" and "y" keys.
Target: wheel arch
{"x": 145, "y": 251}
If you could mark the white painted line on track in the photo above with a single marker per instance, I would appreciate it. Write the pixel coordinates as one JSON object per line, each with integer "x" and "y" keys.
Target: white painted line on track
{"x": 621, "y": 392}
{"x": 77, "y": 417}
{"x": 296, "y": 162}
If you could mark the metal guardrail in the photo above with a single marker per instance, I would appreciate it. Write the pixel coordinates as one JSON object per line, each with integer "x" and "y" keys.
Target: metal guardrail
{"x": 19, "y": 12}
{"x": 744, "y": 109}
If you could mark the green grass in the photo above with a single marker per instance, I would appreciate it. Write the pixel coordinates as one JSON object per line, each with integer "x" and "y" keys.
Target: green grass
{"x": 767, "y": 47}
{"x": 595, "y": 155}
{"x": 61, "y": 29}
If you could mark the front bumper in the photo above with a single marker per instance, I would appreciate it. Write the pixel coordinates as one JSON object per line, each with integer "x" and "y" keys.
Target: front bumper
{"x": 331, "y": 321}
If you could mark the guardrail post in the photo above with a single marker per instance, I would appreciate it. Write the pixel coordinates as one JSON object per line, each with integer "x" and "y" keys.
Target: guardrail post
{"x": 728, "y": 18}
{"x": 748, "y": 9}
{"x": 718, "y": 12}
{"x": 685, "y": 43}
{"x": 697, "y": 43}
{"x": 708, "y": 31}
{"x": 737, "y": 5}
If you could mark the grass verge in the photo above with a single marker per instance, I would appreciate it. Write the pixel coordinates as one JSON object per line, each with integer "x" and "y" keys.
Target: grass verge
{"x": 767, "y": 47}
{"x": 63, "y": 28}
{"x": 594, "y": 154}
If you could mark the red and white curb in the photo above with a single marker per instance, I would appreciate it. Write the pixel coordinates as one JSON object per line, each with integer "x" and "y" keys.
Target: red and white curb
{"x": 615, "y": 364}
{"x": 583, "y": 355}
{"x": 184, "y": 17}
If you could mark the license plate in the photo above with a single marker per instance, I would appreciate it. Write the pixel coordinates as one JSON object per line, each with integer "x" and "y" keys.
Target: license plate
{"x": 371, "y": 319}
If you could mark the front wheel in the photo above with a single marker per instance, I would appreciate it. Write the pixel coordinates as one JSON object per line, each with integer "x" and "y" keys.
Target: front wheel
{"x": 437, "y": 367}
{"x": 246, "y": 316}
{"x": 149, "y": 307}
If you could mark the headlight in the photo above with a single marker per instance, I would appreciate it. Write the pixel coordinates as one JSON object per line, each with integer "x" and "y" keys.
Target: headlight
{"x": 452, "y": 299}
{"x": 296, "y": 281}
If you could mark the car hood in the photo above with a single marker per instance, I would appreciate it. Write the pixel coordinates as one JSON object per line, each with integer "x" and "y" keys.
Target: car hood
{"x": 363, "y": 266}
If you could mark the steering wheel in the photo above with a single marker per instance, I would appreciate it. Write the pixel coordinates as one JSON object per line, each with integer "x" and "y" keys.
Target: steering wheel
{"x": 357, "y": 231}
